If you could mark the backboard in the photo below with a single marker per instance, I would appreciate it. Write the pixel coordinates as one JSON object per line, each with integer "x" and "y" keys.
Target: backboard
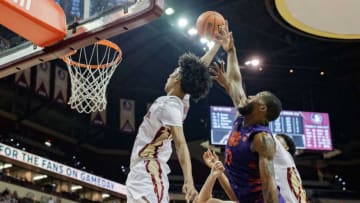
{"x": 88, "y": 21}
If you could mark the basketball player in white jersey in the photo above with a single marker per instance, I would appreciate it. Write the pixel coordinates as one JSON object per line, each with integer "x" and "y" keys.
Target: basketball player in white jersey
{"x": 147, "y": 180}
{"x": 286, "y": 174}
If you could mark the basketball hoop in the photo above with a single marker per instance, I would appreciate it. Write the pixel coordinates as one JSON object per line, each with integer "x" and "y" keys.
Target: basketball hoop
{"x": 90, "y": 71}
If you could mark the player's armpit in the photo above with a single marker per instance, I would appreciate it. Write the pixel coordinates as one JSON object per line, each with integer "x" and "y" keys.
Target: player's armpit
{"x": 264, "y": 145}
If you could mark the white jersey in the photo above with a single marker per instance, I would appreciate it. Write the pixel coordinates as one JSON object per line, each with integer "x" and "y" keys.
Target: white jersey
{"x": 287, "y": 176}
{"x": 152, "y": 149}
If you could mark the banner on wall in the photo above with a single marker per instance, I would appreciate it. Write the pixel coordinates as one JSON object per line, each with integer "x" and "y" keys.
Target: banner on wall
{"x": 60, "y": 169}
{"x": 60, "y": 85}
{"x": 22, "y": 78}
{"x": 127, "y": 115}
{"x": 43, "y": 79}
{"x": 98, "y": 118}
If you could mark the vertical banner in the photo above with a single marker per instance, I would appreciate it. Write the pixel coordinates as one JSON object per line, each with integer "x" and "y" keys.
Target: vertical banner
{"x": 22, "y": 78}
{"x": 60, "y": 86}
{"x": 43, "y": 79}
{"x": 127, "y": 115}
{"x": 98, "y": 118}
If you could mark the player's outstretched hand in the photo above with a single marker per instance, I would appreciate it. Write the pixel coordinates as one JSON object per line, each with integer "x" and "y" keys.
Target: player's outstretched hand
{"x": 219, "y": 74}
{"x": 217, "y": 169}
{"x": 210, "y": 158}
{"x": 190, "y": 191}
{"x": 225, "y": 38}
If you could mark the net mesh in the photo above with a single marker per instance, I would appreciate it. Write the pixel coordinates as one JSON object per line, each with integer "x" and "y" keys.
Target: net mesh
{"x": 90, "y": 70}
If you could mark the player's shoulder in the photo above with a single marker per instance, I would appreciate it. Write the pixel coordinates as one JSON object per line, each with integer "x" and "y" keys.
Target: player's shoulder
{"x": 263, "y": 142}
{"x": 172, "y": 101}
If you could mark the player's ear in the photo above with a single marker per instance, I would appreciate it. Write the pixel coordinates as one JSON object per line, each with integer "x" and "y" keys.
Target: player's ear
{"x": 263, "y": 107}
{"x": 178, "y": 76}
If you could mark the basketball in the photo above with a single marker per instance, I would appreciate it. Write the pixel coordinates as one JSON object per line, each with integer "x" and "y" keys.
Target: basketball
{"x": 208, "y": 24}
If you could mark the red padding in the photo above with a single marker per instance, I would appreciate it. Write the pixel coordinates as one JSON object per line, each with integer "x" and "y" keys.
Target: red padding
{"x": 43, "y": 22}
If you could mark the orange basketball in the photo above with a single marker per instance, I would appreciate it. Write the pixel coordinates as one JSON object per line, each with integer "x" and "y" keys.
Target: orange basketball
{"x": 208, "y": 24}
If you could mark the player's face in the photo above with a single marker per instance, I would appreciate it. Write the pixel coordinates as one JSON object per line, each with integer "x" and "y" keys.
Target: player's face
{"x": 253, "y": 104}
{"x": 172, "y": 80}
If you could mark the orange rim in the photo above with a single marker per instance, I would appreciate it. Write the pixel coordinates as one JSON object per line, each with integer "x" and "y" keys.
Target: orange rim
{"x": 103, "y": 42}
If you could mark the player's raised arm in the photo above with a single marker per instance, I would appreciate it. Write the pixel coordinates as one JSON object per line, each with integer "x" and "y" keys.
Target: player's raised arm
{"x": 205, "y": 195}
{"x": 210, "y": 158}
{"x": 183, "y": 155}
{"x": 209, "y": 55}
{"x": 231, "y": 80}
{"x": 264, "y": 145}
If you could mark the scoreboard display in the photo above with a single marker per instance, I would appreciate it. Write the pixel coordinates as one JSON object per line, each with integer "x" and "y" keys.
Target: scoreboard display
{"x": 309, "y": 130}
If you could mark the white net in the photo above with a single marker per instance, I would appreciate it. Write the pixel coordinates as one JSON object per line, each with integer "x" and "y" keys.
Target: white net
{"x": 90, "y": 71}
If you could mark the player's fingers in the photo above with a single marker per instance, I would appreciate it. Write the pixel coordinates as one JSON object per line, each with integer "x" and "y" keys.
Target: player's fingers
{"x": 184, "y": 189}
{"x": 226, "y": 26}
{"x": 216, "y": 65}
{"x": 213, "y": 78}
{"x": 219, "y": 35}
{"x": 222, "y": 65}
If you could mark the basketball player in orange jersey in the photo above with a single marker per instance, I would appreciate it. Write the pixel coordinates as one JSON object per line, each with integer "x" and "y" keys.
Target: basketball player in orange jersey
{"x": 250, "y": 150}
{"x": 147, "y": 180}
{"x": 286, "y": 173}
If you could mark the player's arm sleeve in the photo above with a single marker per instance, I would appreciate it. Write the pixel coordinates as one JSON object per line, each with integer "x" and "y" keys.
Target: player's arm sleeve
{"x": 172, "y": 113}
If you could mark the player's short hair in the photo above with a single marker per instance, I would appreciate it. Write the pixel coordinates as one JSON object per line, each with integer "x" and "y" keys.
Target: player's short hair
{"x": 273, "y": 105}
{"x": 195, "y": 77}
{"x": 289, "y": 142}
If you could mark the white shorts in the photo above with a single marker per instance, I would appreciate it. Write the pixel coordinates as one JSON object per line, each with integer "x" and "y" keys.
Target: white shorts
{"x": 147, "y": 182}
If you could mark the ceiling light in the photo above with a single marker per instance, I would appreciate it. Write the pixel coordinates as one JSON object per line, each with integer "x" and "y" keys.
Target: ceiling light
{"x": 105, "y": 195}
{"x": 255, "y": 62}
{"x": 322, "y": 73}
{"x": 192, "y": 31}
{"x": 210, "y": 44}
{"x": 39, "y": 177}
{"x": 203, "y": 40}
{"x": 169, "y": 11}
{"x": 5, "y": 166}
{"x": 182, "y": 22}
{"x": 48, "y": 143}
{"x": 291, "y": 71}
{"x": 260, "y": 69}
{"x": 76, "y": 187}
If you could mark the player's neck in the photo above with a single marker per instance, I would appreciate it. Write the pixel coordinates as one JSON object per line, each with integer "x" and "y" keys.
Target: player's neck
{"x": 176, "y": 92}
{"x": 253, "y": 120}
